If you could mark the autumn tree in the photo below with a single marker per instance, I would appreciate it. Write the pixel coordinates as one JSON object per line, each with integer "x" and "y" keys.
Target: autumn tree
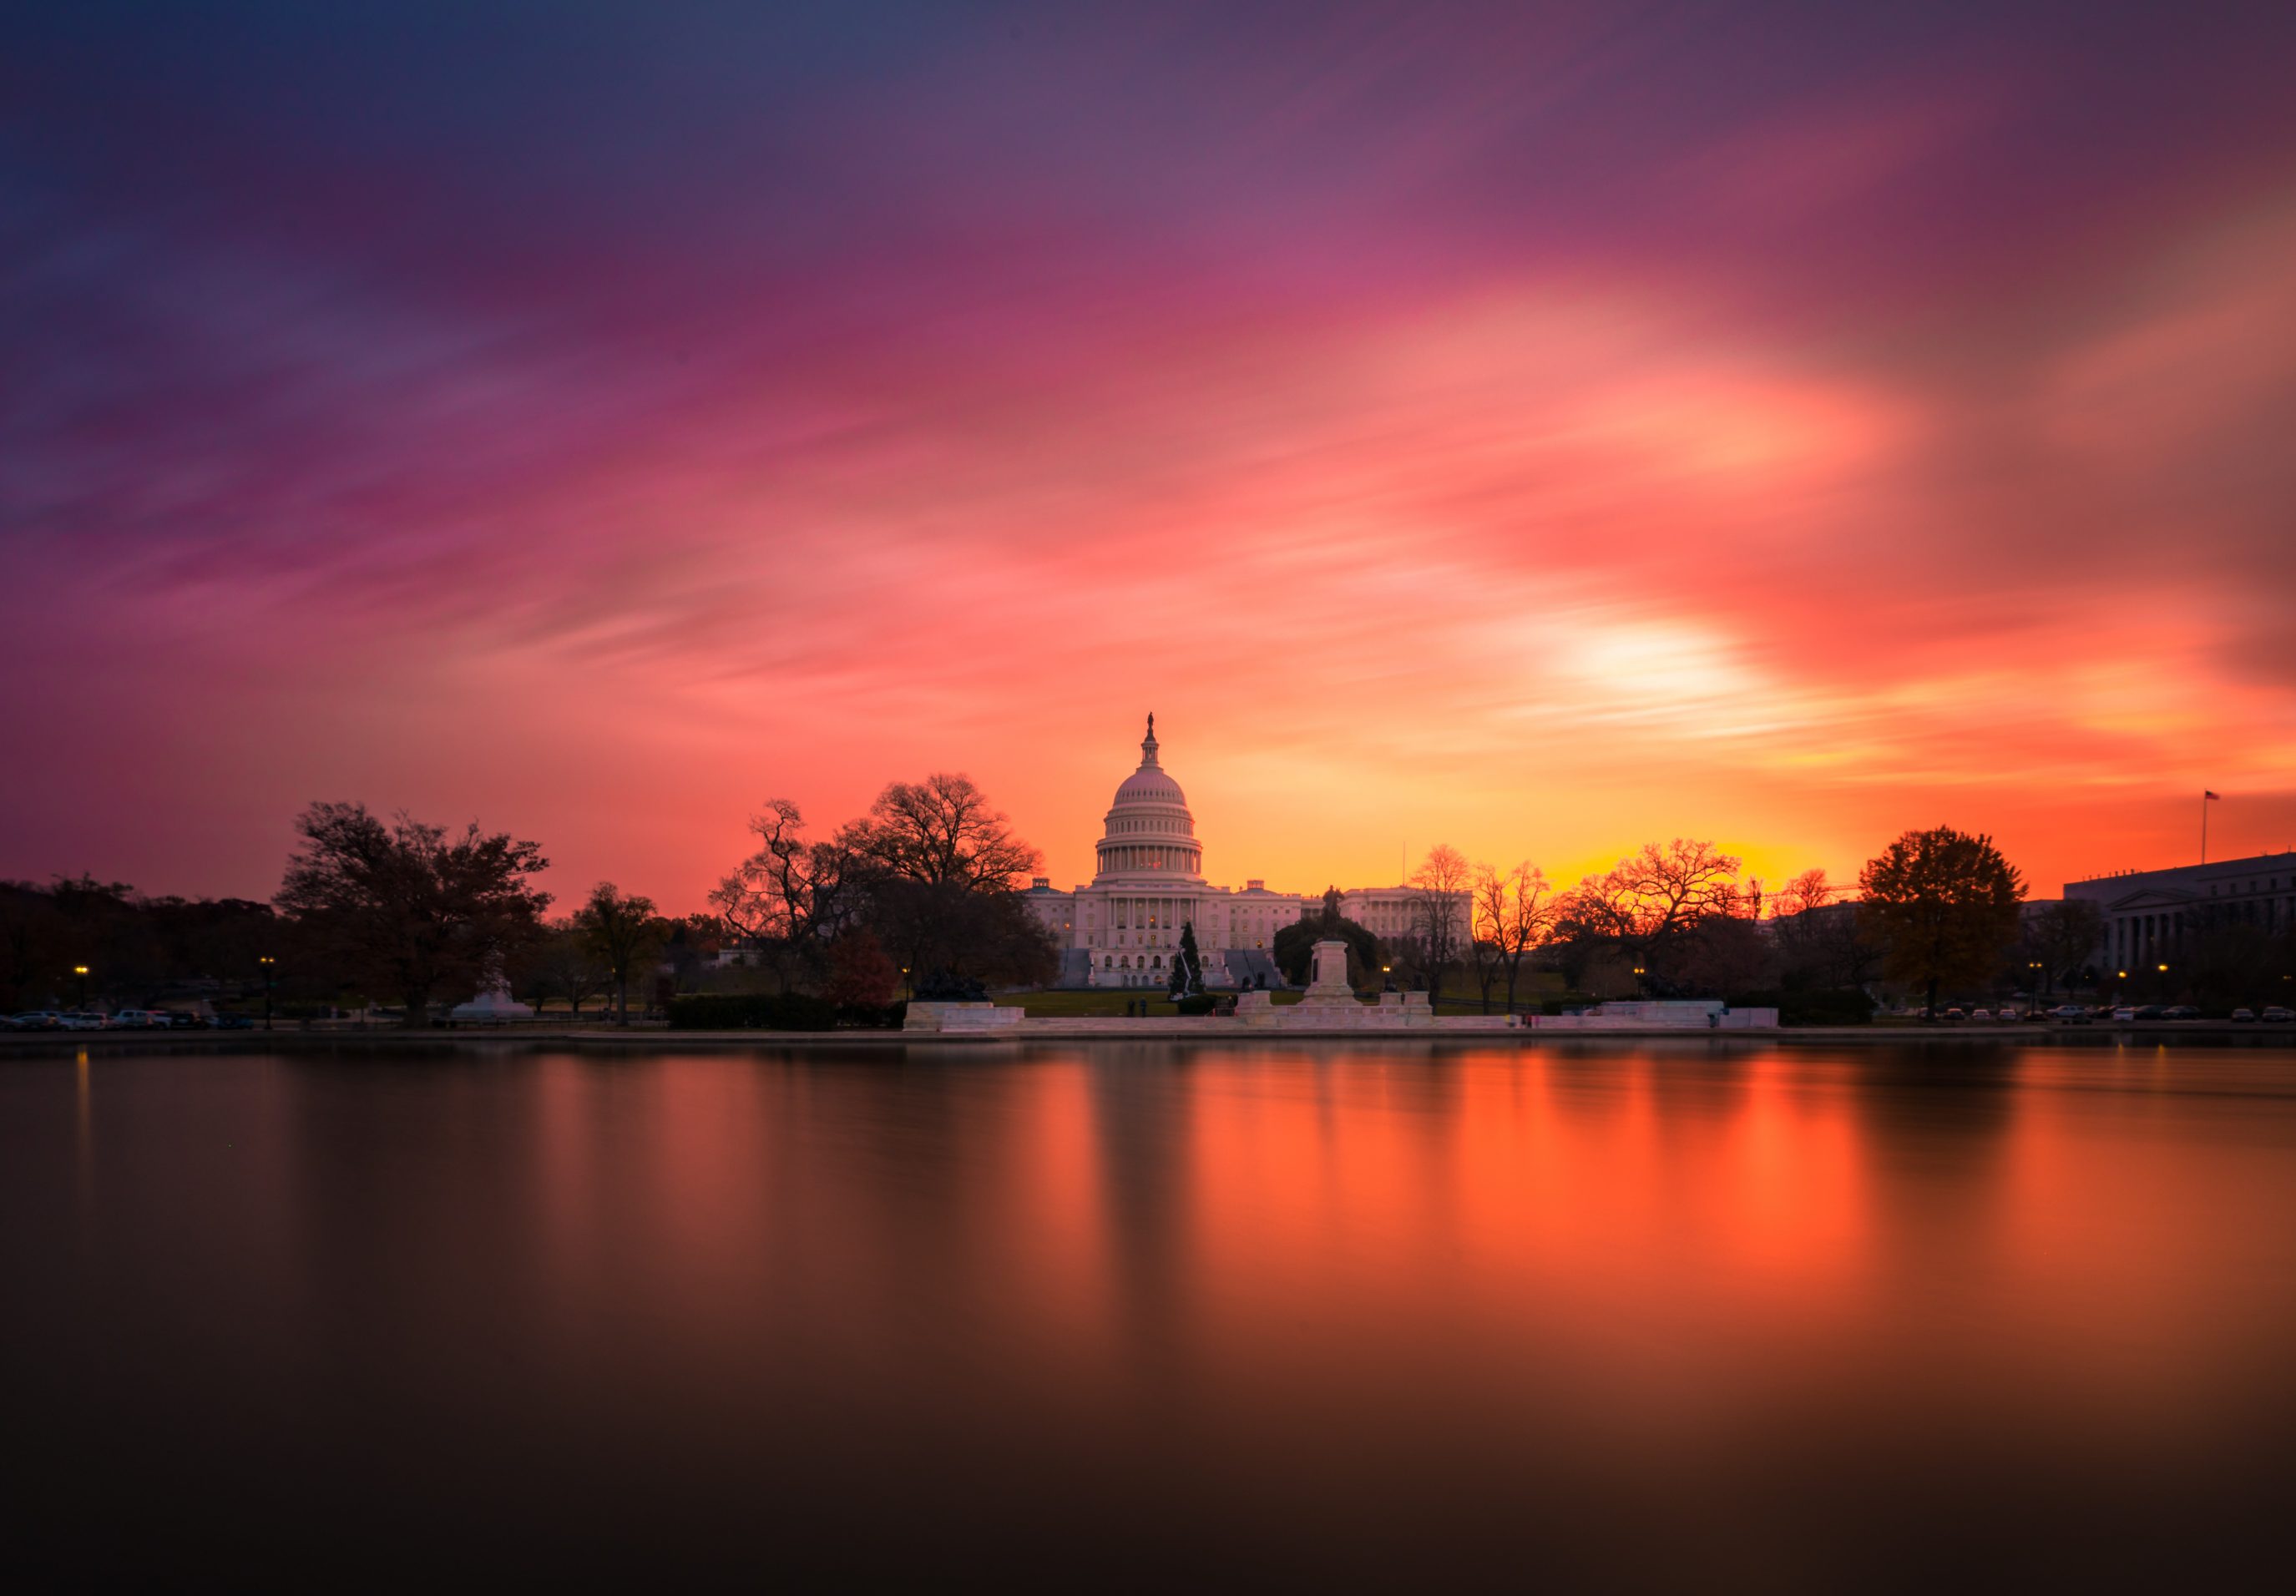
{"x": 407, "y": 908}
{"x": 1943, "y": 905}
{"x": 626, "y": 934}
{"x": 860, "y": 974}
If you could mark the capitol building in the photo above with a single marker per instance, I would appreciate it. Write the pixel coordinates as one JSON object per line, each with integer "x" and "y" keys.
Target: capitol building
{"x": 1123, "y": 928}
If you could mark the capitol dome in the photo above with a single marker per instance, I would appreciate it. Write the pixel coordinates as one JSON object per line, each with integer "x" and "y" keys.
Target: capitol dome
{"x": 1149, "y": 835}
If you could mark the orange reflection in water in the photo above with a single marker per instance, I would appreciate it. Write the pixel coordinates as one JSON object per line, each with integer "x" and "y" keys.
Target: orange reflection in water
{"x": 1362, "y": 1291}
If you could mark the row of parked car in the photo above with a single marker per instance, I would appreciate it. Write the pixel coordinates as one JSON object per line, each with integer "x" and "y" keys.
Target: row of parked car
{"x": 2121, "y": 1014}
{"x": 122, "y": 1020}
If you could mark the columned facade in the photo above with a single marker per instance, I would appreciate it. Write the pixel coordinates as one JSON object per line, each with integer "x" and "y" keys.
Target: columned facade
{"x": 2152, "y": 917}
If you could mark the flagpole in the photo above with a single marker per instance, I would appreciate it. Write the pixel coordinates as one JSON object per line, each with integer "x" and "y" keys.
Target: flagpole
{"x": 2205, "y": 796}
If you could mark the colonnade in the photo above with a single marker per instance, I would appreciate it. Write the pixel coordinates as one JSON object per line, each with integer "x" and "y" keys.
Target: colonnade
{"x": 1136, "y": 946}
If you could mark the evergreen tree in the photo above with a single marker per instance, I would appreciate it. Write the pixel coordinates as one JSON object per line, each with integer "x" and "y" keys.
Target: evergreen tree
{"x": 1187, "y": 964}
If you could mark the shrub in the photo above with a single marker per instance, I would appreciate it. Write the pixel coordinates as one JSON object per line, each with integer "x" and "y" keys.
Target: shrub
{"x": 752, "y": 1010}
{"x": 1200, "y": 1003}
{"x": 1839, "y": 1006}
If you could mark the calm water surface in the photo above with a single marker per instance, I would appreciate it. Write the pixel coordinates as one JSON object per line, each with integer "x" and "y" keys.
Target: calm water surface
{"x": 1696, "y": 1314}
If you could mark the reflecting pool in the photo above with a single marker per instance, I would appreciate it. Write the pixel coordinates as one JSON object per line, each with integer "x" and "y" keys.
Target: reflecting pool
{"x": 1701, "y": 1314}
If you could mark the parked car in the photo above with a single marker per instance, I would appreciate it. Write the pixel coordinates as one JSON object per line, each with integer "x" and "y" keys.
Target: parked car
{"x": 41, "y": 1019}
{"x": 2122, "y": 1016}
{"x": 2277, "y": 1015}
{"x": 2150, "y": 1011}
{"x": 2180, "y": 1012}
{"x": 77, "y": 1021}
{"x": 2070, "y": 1013}
{"x": 137, "y": 1019}
{"x": 2244, "y": 1017}
{"x": 2037, "y": 1014}
{"x": 1980, "y": 1016}
{"x": 184, "y": 1019}
{"x": 233, "y": 1022}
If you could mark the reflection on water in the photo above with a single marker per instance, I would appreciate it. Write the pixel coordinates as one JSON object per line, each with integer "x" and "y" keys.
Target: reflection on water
{"x": 1675, "y": 1313}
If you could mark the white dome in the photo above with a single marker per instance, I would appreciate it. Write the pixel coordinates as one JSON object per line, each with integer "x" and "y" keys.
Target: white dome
{"x": 1150, "y": 785}
{"x": 1149, "y": 836}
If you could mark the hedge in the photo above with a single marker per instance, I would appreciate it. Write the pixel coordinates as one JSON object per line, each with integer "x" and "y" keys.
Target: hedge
{"x": 778, "y": 1011}
{"x": 1844, "y": 1006}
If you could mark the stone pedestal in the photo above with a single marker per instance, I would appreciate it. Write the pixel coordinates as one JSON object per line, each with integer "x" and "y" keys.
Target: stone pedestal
{"x": 1327, "y": 985}
{"x": 1256, "y": 1008}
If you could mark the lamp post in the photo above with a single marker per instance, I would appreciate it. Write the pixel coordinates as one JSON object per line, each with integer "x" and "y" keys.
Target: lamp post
{"x": 81, "y": 971}
{"x": 266, "y": 961}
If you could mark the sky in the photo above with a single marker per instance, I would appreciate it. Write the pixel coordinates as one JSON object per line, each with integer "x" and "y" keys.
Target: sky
{"x": 1540, "y": 428}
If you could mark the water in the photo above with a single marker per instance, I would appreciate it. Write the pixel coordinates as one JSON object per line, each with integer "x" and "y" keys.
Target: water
{"x": 1630, "y": 1314}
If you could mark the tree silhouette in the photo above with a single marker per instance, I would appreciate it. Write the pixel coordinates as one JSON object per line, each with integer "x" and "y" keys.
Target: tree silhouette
{"x": 1943, "y": 905}
{"x": 624, "y": 932}
{"x": 407, "y": 909}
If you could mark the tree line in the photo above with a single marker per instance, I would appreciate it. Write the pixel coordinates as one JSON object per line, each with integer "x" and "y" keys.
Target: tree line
{"x": 920, "y": 894}
{"x": 1937, "y": 909}
{"x": 921, "y": 891}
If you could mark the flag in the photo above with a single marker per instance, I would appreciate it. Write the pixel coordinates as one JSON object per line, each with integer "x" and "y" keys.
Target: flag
{"x": 2211, "y": 797}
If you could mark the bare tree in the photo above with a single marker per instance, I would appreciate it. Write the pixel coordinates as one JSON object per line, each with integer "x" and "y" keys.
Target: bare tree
{"x": 1650, "y": 897}
{"x": 790, "y": 895}
{"x": 1486, "y": 936}
{"x": 941, "y": 832}
{"x": 1806, "y": 891}
{"x": 1514, "y": 916}
{"x": 1441, "y": 907}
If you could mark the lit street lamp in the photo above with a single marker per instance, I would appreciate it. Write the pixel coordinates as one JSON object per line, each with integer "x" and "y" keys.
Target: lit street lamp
{"x": 267, "y": 960}
{"x": 81, "y": 971}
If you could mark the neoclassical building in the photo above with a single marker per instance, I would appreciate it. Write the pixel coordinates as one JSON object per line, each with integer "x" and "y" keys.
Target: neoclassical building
{"x": 1122, "y": 928}
{"x": 2152, "y": 916}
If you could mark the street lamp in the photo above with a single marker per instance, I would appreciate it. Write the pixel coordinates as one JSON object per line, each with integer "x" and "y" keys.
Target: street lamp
{"x": 267, "y": 960}
{"x": 81, "y": 971}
